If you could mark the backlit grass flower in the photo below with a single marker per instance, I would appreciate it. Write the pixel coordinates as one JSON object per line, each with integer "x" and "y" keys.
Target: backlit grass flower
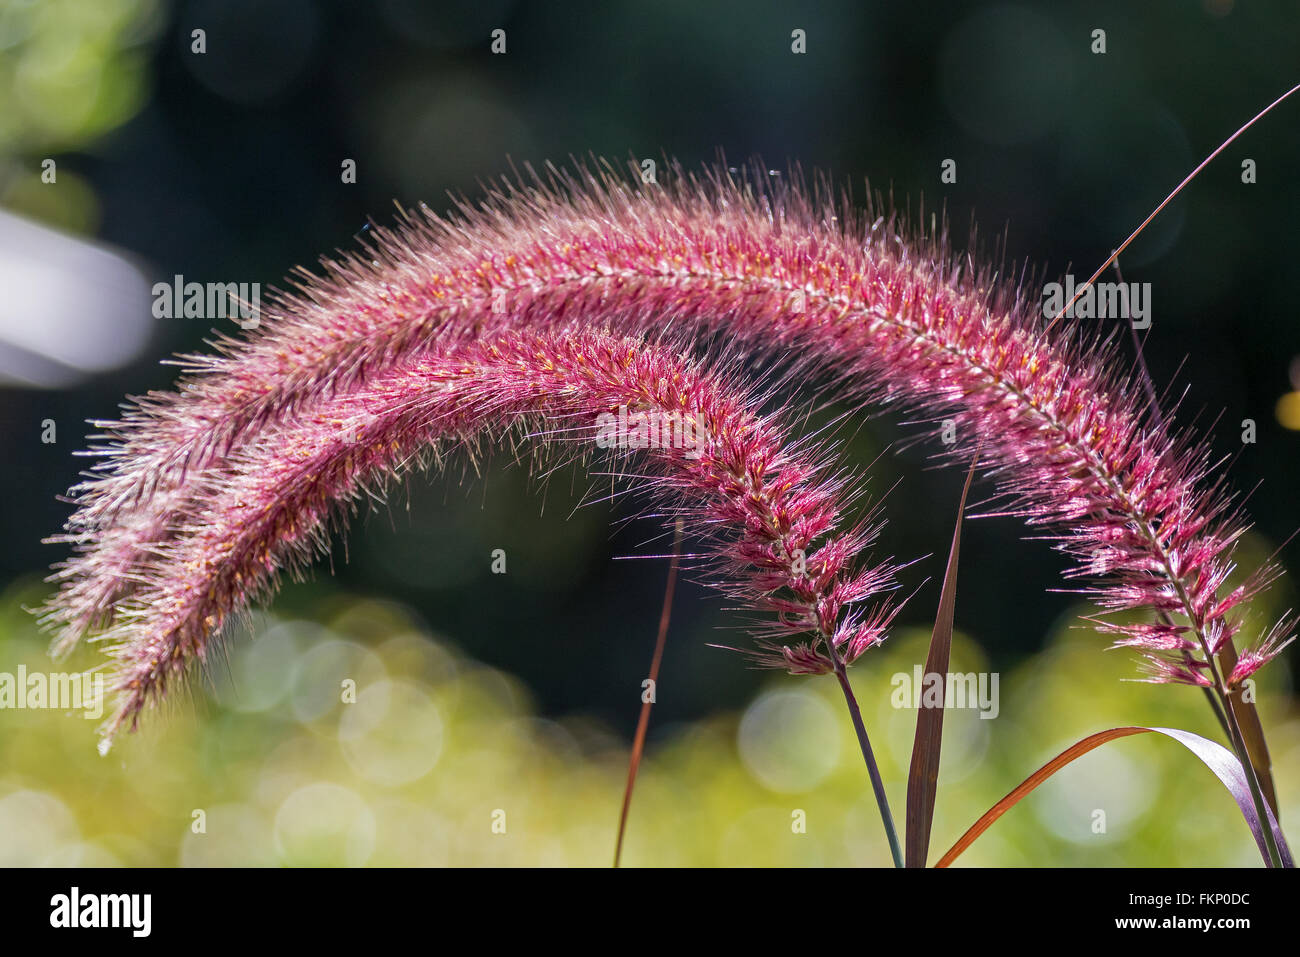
{"x": 777, "y": 270}
{"x": 765, "y": 506}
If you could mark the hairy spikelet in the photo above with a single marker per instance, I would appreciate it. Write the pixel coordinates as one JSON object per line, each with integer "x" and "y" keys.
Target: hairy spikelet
{"x": 775, "y": 269}
{"x": 767, "y": 510}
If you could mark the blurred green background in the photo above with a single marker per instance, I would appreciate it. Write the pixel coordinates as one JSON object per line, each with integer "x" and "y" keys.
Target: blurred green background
{"x": 519, "y": 692}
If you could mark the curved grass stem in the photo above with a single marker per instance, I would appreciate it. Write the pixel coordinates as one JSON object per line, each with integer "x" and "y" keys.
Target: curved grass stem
{"x": 643, "y": 722}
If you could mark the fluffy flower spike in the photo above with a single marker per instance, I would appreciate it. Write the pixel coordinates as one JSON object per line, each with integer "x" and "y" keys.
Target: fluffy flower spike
{"x": 764, "y": 506}
{"x": 770, "y": 266}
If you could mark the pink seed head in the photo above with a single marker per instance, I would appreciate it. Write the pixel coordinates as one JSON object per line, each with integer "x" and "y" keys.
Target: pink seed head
{"x": 776, "y": 272}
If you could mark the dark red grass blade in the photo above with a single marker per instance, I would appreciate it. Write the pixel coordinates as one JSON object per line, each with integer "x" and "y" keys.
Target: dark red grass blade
{"x": 1216, "y": 757}
{"x": 923, "y": 777}
{"x": 643, "y": 723}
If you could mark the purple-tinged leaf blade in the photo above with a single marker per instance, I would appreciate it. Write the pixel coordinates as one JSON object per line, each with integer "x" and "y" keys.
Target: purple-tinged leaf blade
{"x": 1228, "y": 769}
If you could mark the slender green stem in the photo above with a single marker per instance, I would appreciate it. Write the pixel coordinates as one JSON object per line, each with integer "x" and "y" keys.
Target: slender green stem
{"x": 869, "y": 756}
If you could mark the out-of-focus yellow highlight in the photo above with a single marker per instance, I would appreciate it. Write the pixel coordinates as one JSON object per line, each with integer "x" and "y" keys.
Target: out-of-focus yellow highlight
{"x": 1288, "y": 411}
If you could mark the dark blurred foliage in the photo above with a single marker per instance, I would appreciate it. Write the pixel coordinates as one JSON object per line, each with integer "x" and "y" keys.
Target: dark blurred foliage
{"x": 231, "y": 170}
